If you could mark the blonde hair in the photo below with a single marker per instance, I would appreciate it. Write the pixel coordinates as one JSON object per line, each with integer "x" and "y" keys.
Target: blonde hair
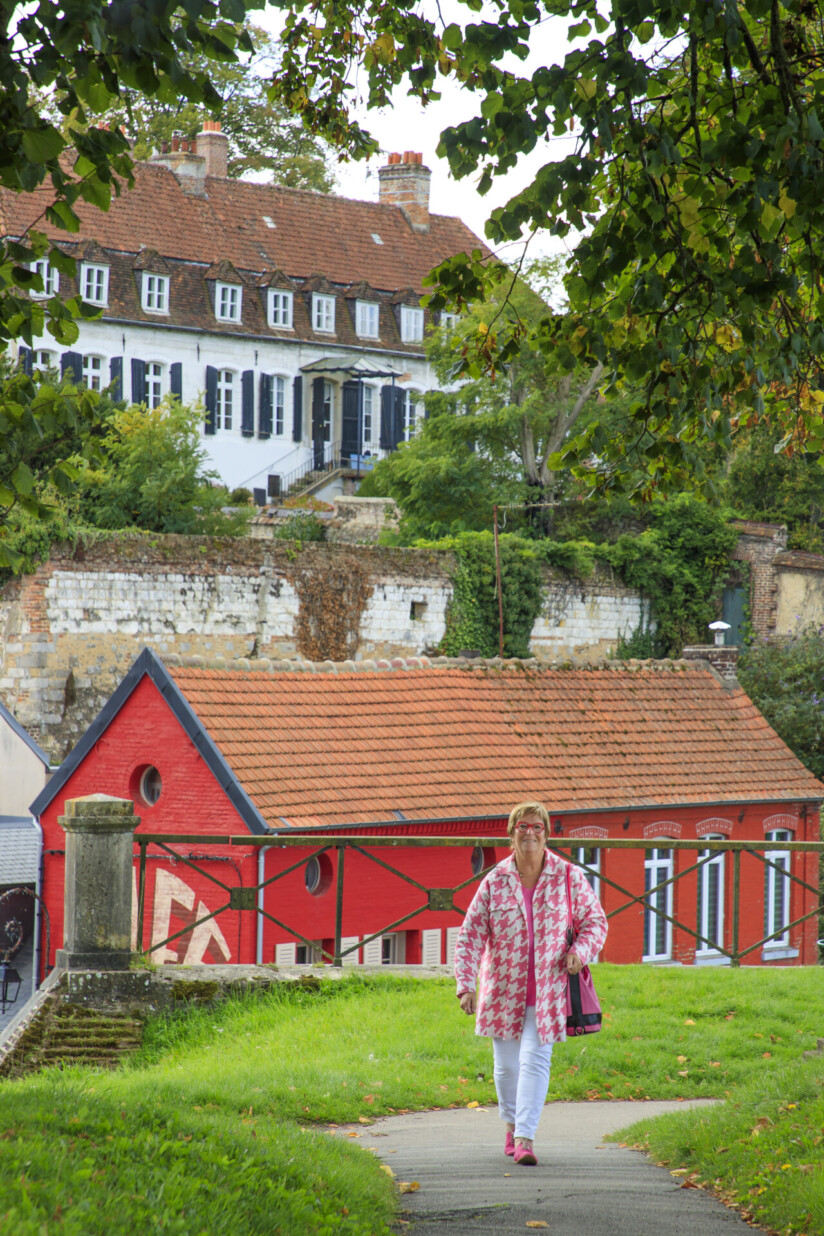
{"x": 524, "y": 809}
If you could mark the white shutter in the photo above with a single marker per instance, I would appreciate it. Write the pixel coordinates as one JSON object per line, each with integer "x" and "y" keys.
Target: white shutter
{"x": 351, "y": 959}
{"x": 373, "y": 952}
{"x": 451, "y": 941}
{"x": 431, "y": 947}
{"x": 285, "y": 954}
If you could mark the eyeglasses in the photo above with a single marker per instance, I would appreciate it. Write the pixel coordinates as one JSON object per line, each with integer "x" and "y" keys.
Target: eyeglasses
{"x": 524, "y": 827}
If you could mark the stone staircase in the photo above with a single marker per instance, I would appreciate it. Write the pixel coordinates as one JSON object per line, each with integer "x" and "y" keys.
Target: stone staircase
{"x": 63, "y": 1034}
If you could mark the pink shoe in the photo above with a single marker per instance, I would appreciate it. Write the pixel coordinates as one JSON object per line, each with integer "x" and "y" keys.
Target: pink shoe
{"x": 524, "y": 1155}
{"x": 509, "y": 1143}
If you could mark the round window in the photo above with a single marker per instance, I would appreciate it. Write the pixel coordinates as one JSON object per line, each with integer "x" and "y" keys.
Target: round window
{"x": 481, "y": 859}
{"x": 150, "y": 786}
{"x": 318, "y": 874}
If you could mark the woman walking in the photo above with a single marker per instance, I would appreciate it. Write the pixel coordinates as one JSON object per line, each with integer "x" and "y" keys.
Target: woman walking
{"x": 515, "y": 933}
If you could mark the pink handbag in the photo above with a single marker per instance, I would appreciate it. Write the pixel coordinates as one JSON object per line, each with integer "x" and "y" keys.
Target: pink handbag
{"x": 583, "y": 1005}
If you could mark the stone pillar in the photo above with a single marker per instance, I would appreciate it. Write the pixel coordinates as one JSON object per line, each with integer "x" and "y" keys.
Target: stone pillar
{"x": 722, "y": 657}
{"x": 98, "y": 891}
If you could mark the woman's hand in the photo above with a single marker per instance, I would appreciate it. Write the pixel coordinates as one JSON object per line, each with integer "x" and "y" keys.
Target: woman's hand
{"x": 574, "y": 964}
{"x": 468, "y": 1001}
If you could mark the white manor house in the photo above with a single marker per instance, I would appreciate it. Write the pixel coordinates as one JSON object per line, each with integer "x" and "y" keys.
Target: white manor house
{"x": 294, "y": 316}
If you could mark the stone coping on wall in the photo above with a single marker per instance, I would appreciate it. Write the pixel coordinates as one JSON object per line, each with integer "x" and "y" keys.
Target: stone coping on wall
{"x": 267, "y": 665}
{"x": 798, "y": 560}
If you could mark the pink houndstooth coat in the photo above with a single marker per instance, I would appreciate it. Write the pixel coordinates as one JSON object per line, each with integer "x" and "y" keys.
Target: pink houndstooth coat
{"x": 494, "y": 937}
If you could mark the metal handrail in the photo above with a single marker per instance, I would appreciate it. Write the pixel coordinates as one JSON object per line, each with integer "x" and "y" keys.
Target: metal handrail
{"x": 331, "y": 459}
{"x": 441, "y": 899}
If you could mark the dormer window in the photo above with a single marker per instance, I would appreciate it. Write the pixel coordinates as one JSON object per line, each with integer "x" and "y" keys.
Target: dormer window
{"x": 366, "y": 319}
{"x": 323, "y": 313}
{"x": 94, "y": 284}
{"x": 155, "y": 293}
{"x": 411, "y": 324}
{"x": 449, "y": 321}
{"x": 280, "y": 309}
{"x": 227, "y": 302}
{"x": 51, "y": 278}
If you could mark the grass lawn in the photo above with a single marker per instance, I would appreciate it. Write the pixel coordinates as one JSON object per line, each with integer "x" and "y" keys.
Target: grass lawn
{"x": 209, "y": 1129}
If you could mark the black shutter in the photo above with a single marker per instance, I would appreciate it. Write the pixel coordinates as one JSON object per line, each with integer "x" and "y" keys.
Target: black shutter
{"x": 247, "y": 403}
{"x": 138, "y": 381}
{"x": 116, "y": 377}
{"x": 25, "y": 359}
{"x": 297, "y": 410}
{"x": 176, "y": 379}
{"x": 397, "y": 418}
{"x": 71, "y": 367}
{"x": 386, "y": 418}
{"x": 211, "y": 400}
{"x": 265, "y": 415}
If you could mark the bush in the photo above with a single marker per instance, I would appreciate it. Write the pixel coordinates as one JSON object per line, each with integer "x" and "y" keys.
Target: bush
{"x": 301, "y": 527}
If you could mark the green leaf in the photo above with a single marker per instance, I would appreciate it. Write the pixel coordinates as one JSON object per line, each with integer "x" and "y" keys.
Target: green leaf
{"x": 42, "y": 144}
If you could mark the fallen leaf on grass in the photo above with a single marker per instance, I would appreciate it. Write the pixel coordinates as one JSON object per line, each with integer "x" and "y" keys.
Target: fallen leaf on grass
{"x": 765, "y": 1055}
{"x": 474, "y": 1103}
{"x": 536, "y": 1223}
{"x": 386, "y": 1168}
{"x": 679, "y": 1171}
{"x": 683, "y": 1072}
{"x": 689, "y": 1022}
{"x": 715, "y": 1064}
{"x": 364, "y": 1120}
{"x": 408, "y": 1186}
{"x": 682, "y": 1059}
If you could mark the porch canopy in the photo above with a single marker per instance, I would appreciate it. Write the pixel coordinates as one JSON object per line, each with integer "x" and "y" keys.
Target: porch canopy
{"x": 349, "y": 430}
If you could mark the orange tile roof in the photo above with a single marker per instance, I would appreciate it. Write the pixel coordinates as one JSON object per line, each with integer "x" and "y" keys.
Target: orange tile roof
{"x": 358, "y": 744}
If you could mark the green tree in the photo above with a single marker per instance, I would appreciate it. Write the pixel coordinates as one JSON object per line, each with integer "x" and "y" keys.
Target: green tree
{"x": 85, "y": 54}
{"x": 784, "y": 488}
{"x": 151, "y": 476}
{"x": 692, "y": 186}
{"x": 263, "y": 136}
{"x": 783, "y": 678}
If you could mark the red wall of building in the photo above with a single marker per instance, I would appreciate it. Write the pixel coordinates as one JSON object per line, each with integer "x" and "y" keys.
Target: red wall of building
{"x": 146, "y": 733}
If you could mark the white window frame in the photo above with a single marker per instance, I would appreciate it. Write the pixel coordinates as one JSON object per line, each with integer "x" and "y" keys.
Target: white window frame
{"x": 154, "y": 293}
{"x": 412, "y": 409}
{"x": 228, "y": 302}
{"x": 593, "y": 877}
{"x": 93, "y": 372}
{"x": 225, "y": 409}
{"x": 449, "y": 321}
{"x": 94, "y": 279}
{"x": 50, "y": 277}
{"x": 280, "y": 309}
{"x": 451, "y": 942}
{"x": 367, "y": 319}
{"x": 712, "y": 872}
{"x": 154, "y": 383}
{"x": 368, "y": 416}
{"x": 431, "y": 946}
{"x": 777, "y": 891}
{"x": 38, "y": 361}
{"x": 411, "y": 324}
{"x": 658, "y": 866}
{"x": 278, "y": 405}
{"x": 323, "y": 313}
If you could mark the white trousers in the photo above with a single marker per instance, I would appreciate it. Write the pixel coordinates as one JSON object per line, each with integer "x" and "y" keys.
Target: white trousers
{"x": 522, "y": 1077}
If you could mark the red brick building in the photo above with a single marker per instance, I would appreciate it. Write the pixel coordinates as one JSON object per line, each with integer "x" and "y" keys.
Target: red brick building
{"x": 620, "y": 751}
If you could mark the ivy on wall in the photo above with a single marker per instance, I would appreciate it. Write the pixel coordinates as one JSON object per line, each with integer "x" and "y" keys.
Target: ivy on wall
{"x": 332, "y": 602}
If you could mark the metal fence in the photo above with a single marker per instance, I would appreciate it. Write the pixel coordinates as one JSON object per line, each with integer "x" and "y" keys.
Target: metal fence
{"x": 443, "y": 899}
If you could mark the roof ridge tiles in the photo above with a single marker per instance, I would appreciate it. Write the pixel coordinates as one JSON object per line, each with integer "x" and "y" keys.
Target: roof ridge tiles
{"x": 383, "y": 664}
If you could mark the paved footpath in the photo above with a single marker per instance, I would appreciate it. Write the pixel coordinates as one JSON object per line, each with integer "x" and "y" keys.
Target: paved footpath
{"x": 581, "y": 1186}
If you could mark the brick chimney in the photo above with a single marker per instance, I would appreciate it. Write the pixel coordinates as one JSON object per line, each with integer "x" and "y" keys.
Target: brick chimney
{"x": 404, "y": 182}
{"x": 214, "y": 146}
{"x": 186, "y": 163}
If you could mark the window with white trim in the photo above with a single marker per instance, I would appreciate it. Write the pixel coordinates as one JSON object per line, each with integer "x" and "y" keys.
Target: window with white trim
{"x": 449, "y": 321}
{"x": 658, "y": 867}
{"x": 93, "y": 372}
{"x": 412, "y": 408}
{"x": 278, "y": 405}
{"x": 411, "y": 324}
{"x": 155, "y": 293}
{"x": 711, "y": 899}
{"x": 228, "y": 300}
{"x": 367, "y": 317}
{"x": 154, "y": 384}
{"x": 225, "y": 399}
{"x": 281, "y": 305}
{"x": 777, "y": 891}
{"x": 323, "y": 313}
{"x": 94, "y": 284}
{"x": 368, "y": 418}
{"x": 591, "y": 859}
{"x": 44, "y": 360}
{"x": 50, "y": 277}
